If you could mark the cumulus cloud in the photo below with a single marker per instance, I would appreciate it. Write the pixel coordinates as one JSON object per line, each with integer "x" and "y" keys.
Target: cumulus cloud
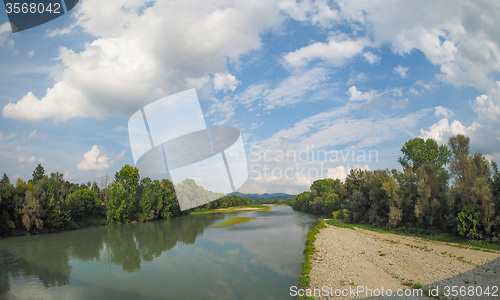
{"x": 371, "y": 58}
{"x": 459, "y": 36}
{"x": 225, "y": 81}
{"x": 443, "y": 130}
{"x": 356, "y": 95}
{"x": 487, "y": 106}
{"x": 135, "y": 60}
{"x": 441, "y": 111}
{"x": 401, "y": 71}
{"x": 341, "y": 172}
{"x": 93, "y": 161}
{"x": 335, "y": 53}
{"x": 316, "y": 12}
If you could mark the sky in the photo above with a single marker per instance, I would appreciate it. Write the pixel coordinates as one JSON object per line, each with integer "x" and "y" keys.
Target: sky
{"x": 316, "y": 88}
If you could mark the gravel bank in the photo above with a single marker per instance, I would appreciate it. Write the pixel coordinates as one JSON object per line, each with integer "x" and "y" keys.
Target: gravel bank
{"x": 348, "y": 258}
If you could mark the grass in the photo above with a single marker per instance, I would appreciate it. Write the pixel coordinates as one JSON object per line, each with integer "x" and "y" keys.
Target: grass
{"x": 237, "y": 220}
{"x": 231, "y": 209}
{"x": 309, "y": 250}
{"x": 429, "y": 234}
{"x": 339, "y": 224}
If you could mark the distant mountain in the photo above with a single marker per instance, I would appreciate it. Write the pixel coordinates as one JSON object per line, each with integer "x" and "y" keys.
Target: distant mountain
{"x": 265, "y": 196}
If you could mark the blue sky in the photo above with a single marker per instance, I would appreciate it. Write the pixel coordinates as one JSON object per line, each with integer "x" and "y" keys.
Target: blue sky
{"x": 316, "y": 87}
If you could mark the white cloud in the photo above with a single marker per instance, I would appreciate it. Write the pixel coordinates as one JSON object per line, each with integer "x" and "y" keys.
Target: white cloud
{"x": 460, "y": 36}
{"x": 225, "y": 81}
{"x": 335, "y": 131}
{"x": 341, "y": 172}
{"x": 337, "y": 173}
{"x": 93, "y": 161}
{"x": 316, "y": 12}
{"x": 61, "y": 103}
{"x": 401, "y": 71}
{"x": 135, "y": 60}
{"x": 121, "y": 155}
{"x": 69, "y": 176}
{"x": 357, "y": 78}
{"x": 5, "y": 33}
{"x": 443, "y": 130}
{"x": 60, "y": 31}
{"x": 356, "y": 95}
{"x": 371, "y": 58}
{"x": 487, "y": 106}
{"x": 335, "y": 53}
{"x": 298, "y": 87}
{"x": 441, "y": 111}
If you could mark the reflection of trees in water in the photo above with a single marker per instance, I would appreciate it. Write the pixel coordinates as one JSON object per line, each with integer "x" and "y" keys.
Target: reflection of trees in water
{"x": 40, "y": 258}
{"x": 47, "y": 256}
{"x": 128, "y": 245}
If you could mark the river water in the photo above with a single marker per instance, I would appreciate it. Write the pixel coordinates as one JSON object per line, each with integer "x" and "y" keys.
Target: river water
{"x": 183, "y": 258}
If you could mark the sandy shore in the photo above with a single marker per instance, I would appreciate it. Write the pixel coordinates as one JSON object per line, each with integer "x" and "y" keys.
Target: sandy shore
{"x": 348, "y": 258}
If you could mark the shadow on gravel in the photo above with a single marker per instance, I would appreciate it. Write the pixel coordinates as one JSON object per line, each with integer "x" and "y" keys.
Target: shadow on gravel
{"x": 482, "y": 282}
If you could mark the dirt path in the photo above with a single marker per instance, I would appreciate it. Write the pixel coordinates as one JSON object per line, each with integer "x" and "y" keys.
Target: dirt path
{"x": 352, "y": 259}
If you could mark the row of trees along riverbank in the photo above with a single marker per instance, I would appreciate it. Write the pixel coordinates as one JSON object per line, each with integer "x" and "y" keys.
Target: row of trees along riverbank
{"x": 441, "y": 187}
{"x": 48, "y": 203}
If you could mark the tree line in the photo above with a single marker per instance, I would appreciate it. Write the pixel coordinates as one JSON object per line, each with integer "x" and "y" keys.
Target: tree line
{"x": 441, "y": 187}
{"x": 48, "y": 202}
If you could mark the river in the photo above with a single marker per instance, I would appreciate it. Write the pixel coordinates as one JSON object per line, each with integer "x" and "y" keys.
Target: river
{"x": 184, "y": 258}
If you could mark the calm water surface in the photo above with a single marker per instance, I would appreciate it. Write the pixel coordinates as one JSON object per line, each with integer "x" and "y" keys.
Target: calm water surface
{"x": 184, "y": 258}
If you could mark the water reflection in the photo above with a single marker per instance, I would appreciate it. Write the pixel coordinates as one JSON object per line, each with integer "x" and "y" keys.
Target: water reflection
{"x": 46, "y": 257}
{"x": 184, "y": 258}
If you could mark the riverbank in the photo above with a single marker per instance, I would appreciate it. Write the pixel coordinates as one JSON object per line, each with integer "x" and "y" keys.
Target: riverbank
{"x": 232, "y": 209}
{"x": 348, "y": 258}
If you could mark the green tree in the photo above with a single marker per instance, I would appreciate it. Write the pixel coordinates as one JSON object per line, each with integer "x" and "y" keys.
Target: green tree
{"x": 9, "y": 214}
{"x": 38, "y": 173}
{"x": 473, "y": 184}
{"x": 123, "y": 195}
{"x": 302, "y": 202}
{"x": 326, "y": 194}
{"x": 358, "y": 195}
{"x": 33, "y": 211}
{"x": 424, "y": 182}
{"x": 5, "y": 180}
{"x": 83, "y": 204}
{"x": 156, "y": 201}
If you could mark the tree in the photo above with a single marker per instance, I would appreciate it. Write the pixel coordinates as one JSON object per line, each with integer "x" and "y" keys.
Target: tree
{"x": 424, "y": 184}
{"x": 462, "y": 170}
{"x": 33, "y": 212}
{"x": 473, "y": 184}
{"x": 417, "y": 152}
{"x": 326, "y": 194}
{"x": 123, "y": 195}
{"x": 302, "y": 202}
{"x": 83, "y": 204}
{"x": 5, "y": 180}
{"x": 38, "y": 173}
{"x": 9, "y": 216}
{"x": 156, "y": 201}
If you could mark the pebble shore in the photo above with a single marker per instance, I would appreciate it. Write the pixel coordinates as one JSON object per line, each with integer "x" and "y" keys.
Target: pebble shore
{"x": 348, "y": 258}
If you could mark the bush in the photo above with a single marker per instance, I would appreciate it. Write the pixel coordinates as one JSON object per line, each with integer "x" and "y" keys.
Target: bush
{"x": 469, "y": 220}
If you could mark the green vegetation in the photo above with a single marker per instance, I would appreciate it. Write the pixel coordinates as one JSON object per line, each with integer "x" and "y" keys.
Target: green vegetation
{"x": 236, "y": 208}
{"x": 419, "y": 200}
{"x": 237, "y": 220}
{"x": 309, "y": 250}
{"x": 48, "y": 203}
{"x": 339, "y": 224}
